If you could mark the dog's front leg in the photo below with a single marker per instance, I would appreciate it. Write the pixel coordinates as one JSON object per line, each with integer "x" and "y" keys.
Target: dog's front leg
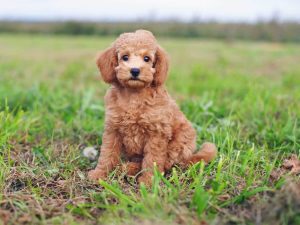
{"x": 155, "y": 153}
{"x": 109, "y": 155}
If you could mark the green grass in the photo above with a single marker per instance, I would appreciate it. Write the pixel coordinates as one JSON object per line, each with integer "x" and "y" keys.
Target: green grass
{"x": 243, "y": 96}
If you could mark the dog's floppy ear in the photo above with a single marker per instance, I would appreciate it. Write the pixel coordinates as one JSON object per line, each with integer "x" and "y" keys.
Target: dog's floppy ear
{"x": 161, "y": 65}
{"x": 107, "y": 62}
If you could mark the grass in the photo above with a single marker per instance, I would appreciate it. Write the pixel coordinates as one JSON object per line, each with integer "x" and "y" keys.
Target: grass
{"x": 243, "y": 96}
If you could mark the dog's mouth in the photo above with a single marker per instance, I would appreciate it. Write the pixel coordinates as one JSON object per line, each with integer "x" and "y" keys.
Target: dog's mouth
{"x": 135, "y": 83}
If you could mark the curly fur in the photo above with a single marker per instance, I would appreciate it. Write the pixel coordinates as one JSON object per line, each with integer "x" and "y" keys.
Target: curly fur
{"x": 142, "y": 121}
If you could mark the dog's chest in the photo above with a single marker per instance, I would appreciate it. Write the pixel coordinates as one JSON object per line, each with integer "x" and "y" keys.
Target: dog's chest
{"x": 136, "y": 122}
{"x": 133, "y": 132}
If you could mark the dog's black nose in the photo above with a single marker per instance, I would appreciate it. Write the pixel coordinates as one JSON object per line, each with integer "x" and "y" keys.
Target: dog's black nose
{"x": 135, "y": 72}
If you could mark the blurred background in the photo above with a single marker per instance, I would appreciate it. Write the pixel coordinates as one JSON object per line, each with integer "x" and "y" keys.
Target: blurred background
{"x": 274, "y": 20}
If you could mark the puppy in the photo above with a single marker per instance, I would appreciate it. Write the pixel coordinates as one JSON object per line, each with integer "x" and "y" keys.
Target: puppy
{"x": 142, "y": 121}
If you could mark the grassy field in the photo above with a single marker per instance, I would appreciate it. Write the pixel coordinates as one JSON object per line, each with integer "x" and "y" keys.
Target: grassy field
{"x": 243, "y": 96}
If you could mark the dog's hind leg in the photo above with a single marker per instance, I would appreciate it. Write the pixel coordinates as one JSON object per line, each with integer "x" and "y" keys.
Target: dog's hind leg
{"x": 207, "y": 153}
{"x": 182, "y": 148}
{"x": 182, "y": 145}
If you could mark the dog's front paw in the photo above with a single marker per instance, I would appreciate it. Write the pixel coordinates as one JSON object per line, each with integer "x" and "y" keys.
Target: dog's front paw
{"x": 95, "y": 175}
{"x": 132, "y": 168}
{"x": 146, "y": 179}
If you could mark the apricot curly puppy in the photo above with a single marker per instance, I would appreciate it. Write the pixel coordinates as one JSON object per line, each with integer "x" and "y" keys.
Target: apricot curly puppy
{"x": 142, "y": 120}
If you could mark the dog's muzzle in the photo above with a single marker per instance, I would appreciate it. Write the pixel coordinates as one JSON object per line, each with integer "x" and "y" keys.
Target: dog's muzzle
{"x": 135, "y": 72}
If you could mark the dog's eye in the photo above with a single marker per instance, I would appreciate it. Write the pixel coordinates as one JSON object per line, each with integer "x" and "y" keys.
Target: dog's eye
{"x": 125, "y": 57}
{"x": 146, "y": 58}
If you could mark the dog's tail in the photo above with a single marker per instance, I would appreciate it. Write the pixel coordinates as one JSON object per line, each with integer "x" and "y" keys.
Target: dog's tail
{"x": 207, "y": 153}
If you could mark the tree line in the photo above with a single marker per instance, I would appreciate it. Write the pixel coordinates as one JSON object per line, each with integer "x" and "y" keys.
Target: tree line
{"x": 265, "y": 31}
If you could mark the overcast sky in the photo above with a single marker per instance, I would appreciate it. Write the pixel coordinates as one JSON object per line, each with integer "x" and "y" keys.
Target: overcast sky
{"x": 224, "y": 10}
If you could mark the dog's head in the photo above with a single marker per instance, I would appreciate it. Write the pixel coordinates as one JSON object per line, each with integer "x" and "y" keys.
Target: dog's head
{"x": 135, "y": 60}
